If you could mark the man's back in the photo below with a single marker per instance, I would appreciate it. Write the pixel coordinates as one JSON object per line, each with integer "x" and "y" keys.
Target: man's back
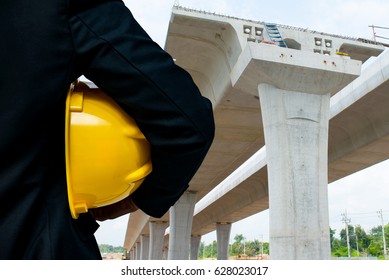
{"x": 36, "y": 57}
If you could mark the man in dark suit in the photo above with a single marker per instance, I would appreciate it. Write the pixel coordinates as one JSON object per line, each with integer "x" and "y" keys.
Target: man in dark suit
{"x": 44, "y": 46}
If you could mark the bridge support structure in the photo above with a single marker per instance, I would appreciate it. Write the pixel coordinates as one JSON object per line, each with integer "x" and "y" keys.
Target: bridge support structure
{"x": 157, "y": 235}
{"x": 181, "y": 217}
{"x": 223, "y": 231}
{"x": 294, "y": 89}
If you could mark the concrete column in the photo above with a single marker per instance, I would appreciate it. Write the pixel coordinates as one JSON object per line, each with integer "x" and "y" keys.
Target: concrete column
{"x": 157, "y": 236}
{"x": 296, "y": 136}
{"x": 181, "y": 217}
{"x": 294, "y": 90}
{"x": 165, "y": 253}
{"x": 133, "y": 253}
{"x": 137, "y": 251}
{"x": 194, "y": 247}
{"x": 223, "y": 231}
{"x": 144, "y": 247}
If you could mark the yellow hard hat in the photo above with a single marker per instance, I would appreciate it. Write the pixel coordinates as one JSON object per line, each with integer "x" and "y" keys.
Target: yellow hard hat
{"x": 107, "y": 156}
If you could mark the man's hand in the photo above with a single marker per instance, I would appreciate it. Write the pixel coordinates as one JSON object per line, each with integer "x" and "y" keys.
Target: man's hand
{"x": 115, "y": 210}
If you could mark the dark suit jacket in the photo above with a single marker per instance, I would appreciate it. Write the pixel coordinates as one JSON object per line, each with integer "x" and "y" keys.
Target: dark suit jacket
{"x": 44, "y": 46}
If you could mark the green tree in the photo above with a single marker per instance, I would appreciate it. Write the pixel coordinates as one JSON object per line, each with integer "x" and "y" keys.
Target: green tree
{"x": 237, "y": 248}
{"x": 342, "y": 252}
{"x": 339, "y": 246}
{"x": 208, "y": 251}
{"x": 239, "y": 238}
{"x": 332, "y": 237}
{"x": 375, "y": 248}
{"x": 376, "y": 233}
{"x": 255, "y": 248}
{"x": 352, "y": 240}
{"x": 201, "y": 250}
{"x": 386, "y": 227}
{"x": 369, "y": 244}
{"x": 363, "y": 239}
{"x": 252, "y": 248}
{"x": 335, "y": 245}
{"x": 105, "y": 248}
{"x": 266, "y": 247}
{"x": 332, "y": 234}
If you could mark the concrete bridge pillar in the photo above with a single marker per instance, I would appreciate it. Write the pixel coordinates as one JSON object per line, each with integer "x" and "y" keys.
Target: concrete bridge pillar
{"x": 194, "y": 247}
{"x": 137, "y": 250}
{"x": 144, "y": 244}
{"x": 157, "y": 236}
{"x": 181, "y": 217}
{"x": 131, "y": 254}
{"x": 294, "y": 89}
{"x": 296, "y": 134}
{"x": 165, "y": 253}
{"x": 223, "y": 231}
{"x": 128, "y": 256}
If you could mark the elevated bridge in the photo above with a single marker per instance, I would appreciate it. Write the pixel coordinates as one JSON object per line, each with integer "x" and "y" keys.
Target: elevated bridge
{"x": 227, "y": 58}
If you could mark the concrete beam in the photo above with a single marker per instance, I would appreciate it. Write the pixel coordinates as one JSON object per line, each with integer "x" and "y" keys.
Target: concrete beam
{"x": 247, "y": 169}
{"x": 293, "y": 70}
{"x": 136, "y": 222}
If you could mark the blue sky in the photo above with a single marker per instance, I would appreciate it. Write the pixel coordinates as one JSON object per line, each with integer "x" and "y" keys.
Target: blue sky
{"x": 362, "y": 194}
